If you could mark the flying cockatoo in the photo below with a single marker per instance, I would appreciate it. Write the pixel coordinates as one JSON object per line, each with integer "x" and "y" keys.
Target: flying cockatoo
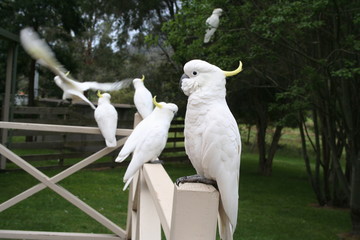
{"x": 106, "y": 118}
{"x": 212, "y": 23}
{"x": 38, "y": 49}
{"x": 142, "y": 98}
{"x": 148, "y": 139}
{"x": 212, "y": 138}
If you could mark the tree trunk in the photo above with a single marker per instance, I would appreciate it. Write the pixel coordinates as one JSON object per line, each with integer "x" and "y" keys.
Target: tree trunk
{"x": 261, "y": 144}
{"x": 355, "y": 196}
{"x": 249, "y": 134}
{"x": 272, "y": 150}
{"x": 314, "y": 184}
{"x": 317, "y": 179}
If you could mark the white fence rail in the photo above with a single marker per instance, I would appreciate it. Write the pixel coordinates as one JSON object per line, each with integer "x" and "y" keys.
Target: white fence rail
{"x": 185, "y": 212}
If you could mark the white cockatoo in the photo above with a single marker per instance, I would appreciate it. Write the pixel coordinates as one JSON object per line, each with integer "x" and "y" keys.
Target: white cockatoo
{"x": 212, "y": 138}
{"x": 142, "y": 98}
{"x": 106, "y": 118}
{"x": 38, "y": 49}
{"x": 212, "y": 23}
{"x": 148, "y": 139}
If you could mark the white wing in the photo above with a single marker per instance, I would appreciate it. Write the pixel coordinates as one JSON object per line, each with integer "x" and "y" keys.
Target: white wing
{"x": 38, "y": 49}
{"x": 213, "y": 21}
{"x": 221, "y": 153}
{"x": 134, "y": 138}
{"x": 149, "y": 148}
{"x": 143, "y": 101}
{"x": 106, "y": 87}
{"x": 80, "y": 95}
{"x": 106, "y": 118}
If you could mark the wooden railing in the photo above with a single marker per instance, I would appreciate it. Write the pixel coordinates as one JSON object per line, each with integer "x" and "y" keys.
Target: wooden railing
{"x": 58, "y": 150}
{"x": 188, "y": 211}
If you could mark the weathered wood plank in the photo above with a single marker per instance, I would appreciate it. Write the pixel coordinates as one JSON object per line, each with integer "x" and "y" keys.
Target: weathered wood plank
{"x": 14, "y": 234}
{"x": 51, "y": 156}
{"x": 176, "y": 129}
{"x": 174, "y": 149}
{"x": 177, "y": 139}
{"x": 41, "y": 110}
{"x": 37, "y": 145}
{"x": 60, "y": 128}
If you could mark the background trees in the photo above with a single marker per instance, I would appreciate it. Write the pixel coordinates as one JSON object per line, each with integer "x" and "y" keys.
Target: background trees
{"x": 301, "y": 62}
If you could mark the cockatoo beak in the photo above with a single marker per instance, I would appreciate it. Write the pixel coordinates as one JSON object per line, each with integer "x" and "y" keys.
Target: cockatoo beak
{"x": 143, "y": 78}
{"x": 99, "y": 94}
{"x": 182, "y": 77}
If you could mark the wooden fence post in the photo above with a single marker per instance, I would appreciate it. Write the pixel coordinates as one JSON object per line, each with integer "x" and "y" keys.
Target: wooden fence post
{"x": 194, "y": 214}
{"x": 9, "y": 89}
{"x": 148, "y": 222}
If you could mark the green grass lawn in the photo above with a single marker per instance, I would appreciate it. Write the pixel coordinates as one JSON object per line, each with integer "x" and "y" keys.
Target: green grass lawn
{"x": 278, "y": 207}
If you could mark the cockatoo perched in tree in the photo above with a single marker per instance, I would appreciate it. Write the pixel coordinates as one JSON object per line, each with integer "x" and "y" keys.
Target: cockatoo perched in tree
{"x": 212, "y": 138}
{"x": 106, "y": 118}
{"x": 142, "y": 98}
{"x": 38, "y": 49}
{"x": 148, "y": 139}
{"x": 212, "y": 23}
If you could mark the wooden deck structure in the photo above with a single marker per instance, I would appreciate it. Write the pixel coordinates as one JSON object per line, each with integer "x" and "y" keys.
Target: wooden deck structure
{"x": 154, "y": 203}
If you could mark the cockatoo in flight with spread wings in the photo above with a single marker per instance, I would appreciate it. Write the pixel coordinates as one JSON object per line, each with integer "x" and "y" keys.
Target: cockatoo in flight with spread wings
{"x": 38, "y": 49}
{"x": 212, "y": 23}
{"x": 142, "y": 98}
{"x": 148, "y": 139}
{"x": 106, "y": 118}
{"x": 212, "y": 138}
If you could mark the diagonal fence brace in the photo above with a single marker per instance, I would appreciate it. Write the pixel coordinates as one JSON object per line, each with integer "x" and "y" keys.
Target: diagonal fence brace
{"x": 62, "y": 191}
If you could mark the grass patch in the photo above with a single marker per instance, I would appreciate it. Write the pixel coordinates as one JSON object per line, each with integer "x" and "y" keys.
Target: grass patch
{"x": 270, "y": 208}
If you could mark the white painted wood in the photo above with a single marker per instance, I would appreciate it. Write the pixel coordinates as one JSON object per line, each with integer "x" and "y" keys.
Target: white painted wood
{"x": 62, "y": 192}
{"x": 76, "y": 167}
{"x": 148, "y": 222}
{"x": 162, "y": 191}
{"x": 131, "y": 212}
{"x": 195, "y": 211}
{"x": 131, "y": 220}
{"x": 10, "y": 234}
{"x": 59, "y": 128}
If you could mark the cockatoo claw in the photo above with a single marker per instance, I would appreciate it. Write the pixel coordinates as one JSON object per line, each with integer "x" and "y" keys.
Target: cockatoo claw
{"x": 196, "y": 179}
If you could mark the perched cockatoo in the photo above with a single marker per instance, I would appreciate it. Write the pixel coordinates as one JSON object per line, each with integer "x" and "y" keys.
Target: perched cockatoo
{"x": 212, "y": 23}
{"x": 106, "y": 118}
{"x": 142, "y": 98}
{"x": 38, "y": 49}
{"x": 212, "y": 138}
{"x": 148, "y": 139}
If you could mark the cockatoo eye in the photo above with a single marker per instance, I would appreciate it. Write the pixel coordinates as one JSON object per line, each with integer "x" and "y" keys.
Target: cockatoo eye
{"x": 194, "y": 73}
